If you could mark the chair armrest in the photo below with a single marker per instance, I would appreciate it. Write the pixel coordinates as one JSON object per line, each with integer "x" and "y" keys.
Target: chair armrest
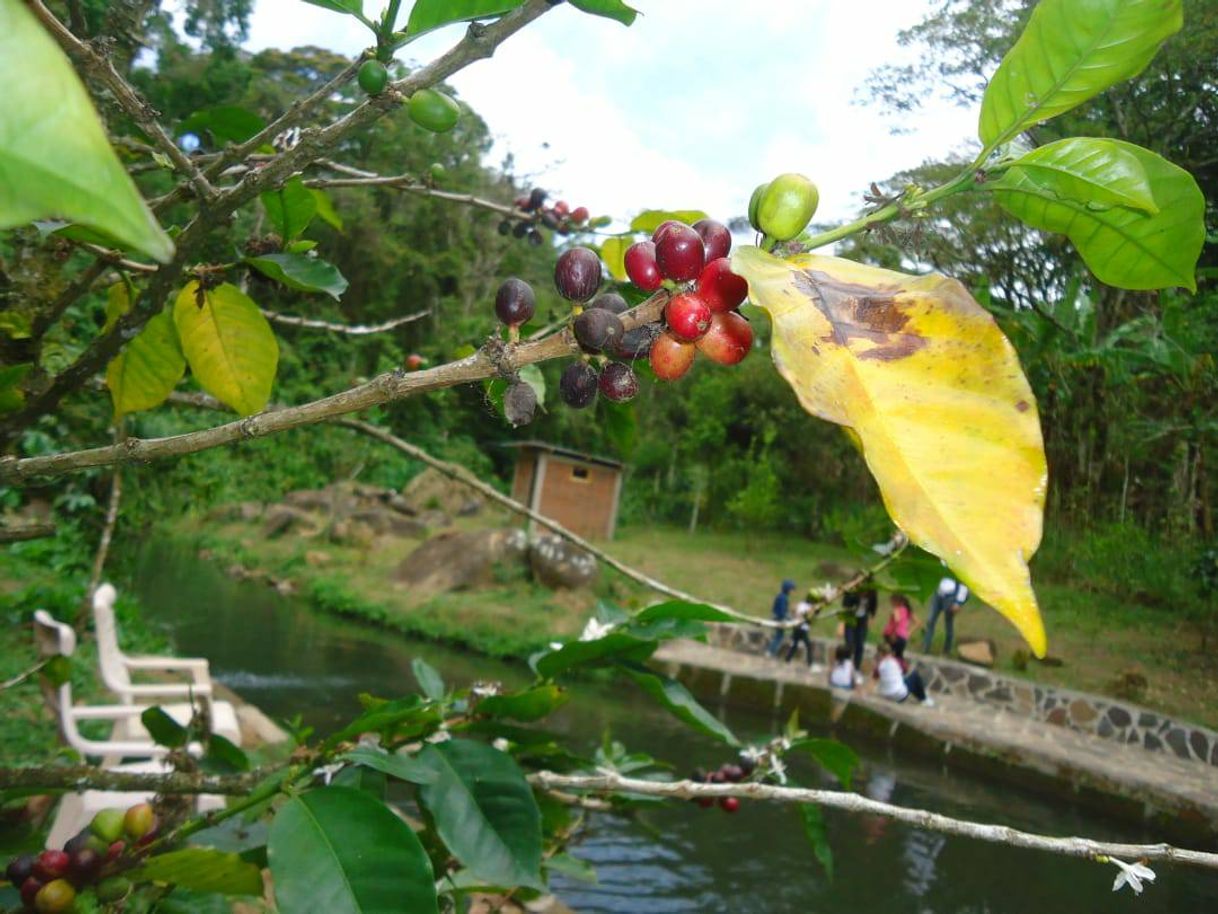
{"x": 167, "y": 689}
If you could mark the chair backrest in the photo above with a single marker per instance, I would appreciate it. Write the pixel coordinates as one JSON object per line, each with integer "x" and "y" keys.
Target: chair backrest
{"x": 109, "y": 656}
{"x": 56, "y": 639}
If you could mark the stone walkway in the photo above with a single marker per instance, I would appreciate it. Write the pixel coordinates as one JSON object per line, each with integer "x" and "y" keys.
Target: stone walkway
{"x": 1161, "y": 782}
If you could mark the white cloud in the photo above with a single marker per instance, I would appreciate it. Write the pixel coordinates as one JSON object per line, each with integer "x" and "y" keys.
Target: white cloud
{"x": 691, "y": 107}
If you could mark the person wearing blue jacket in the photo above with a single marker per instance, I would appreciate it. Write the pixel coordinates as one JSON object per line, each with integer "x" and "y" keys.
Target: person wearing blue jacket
{"x": 780, "y": 609}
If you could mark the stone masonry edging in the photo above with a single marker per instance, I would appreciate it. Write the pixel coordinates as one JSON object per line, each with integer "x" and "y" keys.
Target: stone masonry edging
{"x": 1094, "y": 715}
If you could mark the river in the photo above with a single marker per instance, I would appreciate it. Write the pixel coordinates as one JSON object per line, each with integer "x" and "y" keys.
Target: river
{"x": 289, "y": 659}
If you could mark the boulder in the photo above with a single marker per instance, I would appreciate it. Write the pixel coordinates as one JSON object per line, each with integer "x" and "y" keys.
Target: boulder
{"x": 433, "y": 491}
{"x": 351, "y": 533}
{"x": 980, "y": 653}
{"x": 557, "y": 563}
{"x": 384, "y": 521}
{"x": 280, "y": 519}
{"x": 457, "y": 561}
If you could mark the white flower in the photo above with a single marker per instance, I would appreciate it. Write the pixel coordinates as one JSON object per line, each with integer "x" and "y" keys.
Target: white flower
{"x": 1133, "y": 874}
{"x": 501, "y": 744}
{"x": 440, "y": 736}
{"x": 594, "y": 630}
{"x": 778, "y": 769}
{"x": 752, "y": 753}
{"x": 327, "y": 772}
{"x": 556, "y": 645}
{"x": 885, "y": 548}
{"x": 485, "y": 689}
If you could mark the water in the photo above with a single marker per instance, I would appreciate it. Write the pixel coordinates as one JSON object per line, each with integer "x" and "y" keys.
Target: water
{"x": 288, "y": 659}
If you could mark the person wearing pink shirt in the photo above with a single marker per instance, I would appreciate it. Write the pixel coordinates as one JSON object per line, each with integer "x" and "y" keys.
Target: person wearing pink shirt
{"x": 901, "y": 624}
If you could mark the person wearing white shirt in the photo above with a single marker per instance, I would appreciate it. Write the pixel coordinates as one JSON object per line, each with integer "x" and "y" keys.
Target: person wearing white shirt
{"x": 949, "y": 597}
{"x": 841, "y": 676}
{"x": 800, "y": 633}
{"x": 894, "y": 683}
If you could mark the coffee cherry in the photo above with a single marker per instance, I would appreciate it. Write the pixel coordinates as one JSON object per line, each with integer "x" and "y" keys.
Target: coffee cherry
{"x": 715, "y": 236}
{"x": 787, "y": 206}
{"x": 720, "y": 288}
{"x": 433, "y": 111}
{"x": 641, "y": 266}
{"x": 561, "y": 208}
{"x": 373, "y": 77}
{"x": 505, "y": 227}
{"x": 515, "y": 302}
{"x": 84, "y": 865}
{"x": 113, "y": 889}
{"x": 29, "y": 891}
{"x": 698, "y": 774}
{"x": 519, "y": 404}
{"x": 598, "y": 330}
{"x": 755, "y": 203}
{"x": 669, "y": 357}
{"x": 414, "y": 361}
{"x": 611, "y": 302}
{"x": 55, "y": 897}
{"x": 729, "y": 804}
{"x": 578, "y": 274}
{"x": 51, "y": 864}
{"x": 77, "y": 842}
{"x": 521, "y": 202}
{"x": 747, "y": 764}
{"x": 618, "y": 382}
{"x": 437, "y": 172}
{"x": 687, "y": 316}
{"x": 520, "y": 229}
{"x": 579, "y": 215}
{"x": 636, "y": 343}
{"x": 733, "y": 773}
{"x": 706, "y": 802}
{"x": 20, "y": 869}
{"x": 680, "y": 253}
{"x": 717, "y": 777}
{"x": 577, "y": 386}
{"x": 537, "y": 197}
{"x": 550, "y": 221}
{"x": 108, "y": 824}
{"x": 663, "y": 227}
{"x": 139, "y": 820}
{"x": 729, "y": 339}
{"x": 115, "y": 850}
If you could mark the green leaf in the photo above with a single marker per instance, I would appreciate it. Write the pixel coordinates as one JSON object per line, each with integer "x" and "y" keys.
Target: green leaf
{"x": 484, "y": 811}
{"x": 202, "y": 869}
{"x": 836, "y": 758}
{"x": 818, "y": 836}
{"x": 340, "y": 851}
{"x": 1071, "y": 51}
{"x": 347, "y": 7}
{"x": 1089, "y": 170}
{"x": 531, "y": 375}
{"x": 11, "y": 394}
{"x": 290, "y": 208}
{"x": 164, "y": 730}
{"x": 224, "y": 756}
{"x": 572, "y": 867}
{"x": 369, "y": 780}
{"x": 325, "y": 209}
{"x": 677, "y": 699}
{"x": 610, "y": 9}
{"x": 613, "y": 253}
{"x": 611, "y": 647}
{"x": 408, "y": 715}
{"x": 532, "y": 704}
{"x": 395, "y": 764}
{"x": 144, "y": 374}
{"x": 651, "y": 219}
{"x": 1123, "y": 247}
{"x": 431, "y": 14}
{"x": 55, "y": 161}
{"x": 301, "y": 272}
{"x": 225, "y": 123}
{"x": 428, "y": 678}
{"x": 229, "y": 345}
{"x": 683, "y": 610}
{"x": 181, "y": 901}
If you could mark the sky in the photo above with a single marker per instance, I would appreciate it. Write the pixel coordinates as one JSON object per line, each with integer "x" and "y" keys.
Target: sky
{"x": 690, "y": 108}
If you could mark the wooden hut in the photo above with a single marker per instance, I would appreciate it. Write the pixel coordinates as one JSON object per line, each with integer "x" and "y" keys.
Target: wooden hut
{"x": 578, "y": 490}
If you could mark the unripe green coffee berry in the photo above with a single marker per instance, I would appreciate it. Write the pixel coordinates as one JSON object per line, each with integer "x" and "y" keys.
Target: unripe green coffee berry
{"x": 434, "y": 110}
{"x": 787, "y": 206}
{"x": 754, "y": 202}
{"x": 373, "y": 77}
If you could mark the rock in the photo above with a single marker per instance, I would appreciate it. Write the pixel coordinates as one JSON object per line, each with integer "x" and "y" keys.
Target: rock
{"x": 279, "y": 519}
{"x": 384, "y": 521}
{"x": 557, "y": 563}
{"x": 400, "y": 504}
{"x": 351, "y": 533}
{"x": 456, "y": 561}
{"x": 316, "y": 558}
{"x": 433, "y": 491}
{"x": 981, "y": 653}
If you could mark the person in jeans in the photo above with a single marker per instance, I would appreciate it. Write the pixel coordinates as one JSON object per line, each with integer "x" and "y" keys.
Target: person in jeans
{"x": 893, "y": 682}
{"x": 860, "y": 606}
{"x": 949, "y": 597}
{"x": 782, "y": 605}
{"x": 800, "y": 634}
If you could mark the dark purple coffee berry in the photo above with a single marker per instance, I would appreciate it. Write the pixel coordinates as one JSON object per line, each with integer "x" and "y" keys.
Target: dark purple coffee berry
{"x": 748, "y": 764}
{"x": 636, "y": 343}
{"x": 715, "y": 237}
{"x": 505, "y": 227}
{"x": 79, "y": 842}
{"x": 520, "y": 229}
{"x": 578, "y": 274}
{"x": 519, "y": 404}
{"x": 549, "y": 220}
{"x": 20, "y": 869}
{"x": 85, "y": 864}
{"x": 577, "y": 386}
{"x": 598, "y": 330}
{"x": 618, "y": 382}
{"x": 536, "y": 198}
{"x": 515, "y": 302}
{"x": 610, "y": 301}
{"x": 535, "y": 238}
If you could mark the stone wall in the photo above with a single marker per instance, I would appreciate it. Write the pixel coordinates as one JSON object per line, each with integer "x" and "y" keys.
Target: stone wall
{"x": 1106, "y": 718}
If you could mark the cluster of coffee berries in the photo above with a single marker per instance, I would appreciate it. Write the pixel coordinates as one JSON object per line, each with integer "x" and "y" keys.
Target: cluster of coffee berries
{"x": 515, "y": 305}
{"x": 727, "y": 773}
{"x": 559, "y": 217}
{"x": 90, "y": 862}
{"x": 702, "y": 316}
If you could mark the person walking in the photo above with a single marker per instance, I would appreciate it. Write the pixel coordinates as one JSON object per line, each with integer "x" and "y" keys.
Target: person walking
{"x": 901, "y": 624}
{"x": 780, "y": 609}
{"x": 800, "y": 634}
{"x": 860, "y": 606}
{"x": 949, "y": 597}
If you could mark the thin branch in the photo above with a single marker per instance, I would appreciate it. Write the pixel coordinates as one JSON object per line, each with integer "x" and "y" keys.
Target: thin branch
{"x": 20, "y": 532}
{"x": 494, "y": 359}
{"x": 23, "y": 676}
{"x": 349, "y": 329}
{"x": 107, "y": 535}
{"x": 360, "y": 178}
{"x": 1084, "y": 848}
{"x": 84, "y": 777}
{"x": 137, "y": 108}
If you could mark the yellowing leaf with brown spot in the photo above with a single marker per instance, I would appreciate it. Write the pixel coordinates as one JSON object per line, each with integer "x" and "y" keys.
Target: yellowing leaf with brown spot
{"x": 935, "y": 394}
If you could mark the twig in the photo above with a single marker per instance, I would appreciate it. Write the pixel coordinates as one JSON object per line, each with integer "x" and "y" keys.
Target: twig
{"x": 22, "y": 677}
{"x": 107, "y": 534}
{"x": 360, "y": 178}
{"x": 137, "y": 108}
{"x": 349, "y": 329}
{"x": 490, "y": 361}
{"x": 20, "y": 532}
{"x": 84, "y": 777}
{"x": 1084, "y": 848}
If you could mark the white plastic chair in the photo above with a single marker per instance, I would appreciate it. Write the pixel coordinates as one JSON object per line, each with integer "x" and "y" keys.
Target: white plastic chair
{"x": 117, "y": 667}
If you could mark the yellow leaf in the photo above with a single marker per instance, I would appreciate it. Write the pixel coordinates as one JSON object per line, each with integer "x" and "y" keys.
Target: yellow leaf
{"x": 613, "y": 253}
{"x": 935, "y": 394}
{"x": 231, "y": 348}
{"x": 148, "y": 369}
